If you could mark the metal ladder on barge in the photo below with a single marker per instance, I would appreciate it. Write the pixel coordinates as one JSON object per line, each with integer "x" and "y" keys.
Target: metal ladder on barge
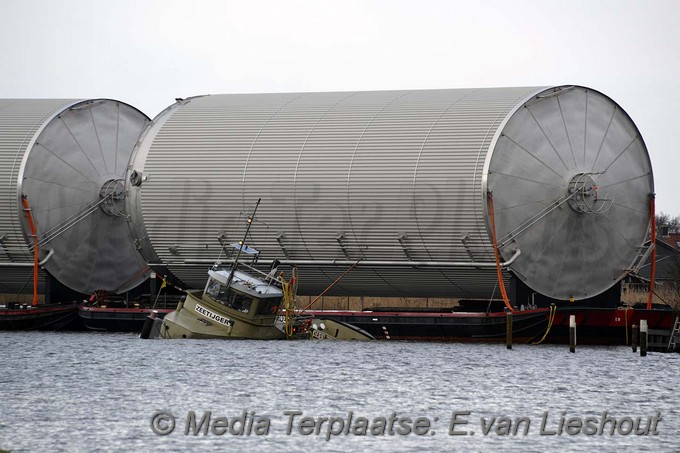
{"x": 675, "y": 334}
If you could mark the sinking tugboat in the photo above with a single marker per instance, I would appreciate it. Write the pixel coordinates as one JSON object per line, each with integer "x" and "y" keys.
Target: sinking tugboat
{"x": 246, "y": 304}
{"x": 246, "y": 307}
{"x": 238, "y": 305}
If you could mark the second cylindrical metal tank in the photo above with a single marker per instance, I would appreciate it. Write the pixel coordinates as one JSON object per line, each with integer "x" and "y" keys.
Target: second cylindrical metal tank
{"x": 399, "y": 181}
{"x": 63, "y": 161}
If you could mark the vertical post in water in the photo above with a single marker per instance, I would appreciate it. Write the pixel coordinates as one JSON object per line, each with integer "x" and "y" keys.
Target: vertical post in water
{"x": 508, "y": 329}
{"x": 572, "y": 333}
{"x": 643, "y": 337}
{"x": 148, "y": 324}
{"x": 634, "y": 337}
{"x": 152, "y": 286}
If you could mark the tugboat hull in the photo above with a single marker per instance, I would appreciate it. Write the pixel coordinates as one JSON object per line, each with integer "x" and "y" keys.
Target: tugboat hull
{"x": 200, "y": 318}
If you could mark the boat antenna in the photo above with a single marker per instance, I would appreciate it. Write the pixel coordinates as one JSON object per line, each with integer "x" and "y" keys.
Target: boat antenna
{"x": 243, "y": 242}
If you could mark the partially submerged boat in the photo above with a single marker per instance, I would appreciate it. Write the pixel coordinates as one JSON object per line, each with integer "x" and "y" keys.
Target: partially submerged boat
{"x": 246, "y": 304}
{"x": 238, "y": 305}
{"x": 246, "y": 307}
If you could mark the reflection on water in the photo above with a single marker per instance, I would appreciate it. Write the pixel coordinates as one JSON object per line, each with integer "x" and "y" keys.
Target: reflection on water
{"x": 90, "y": 391}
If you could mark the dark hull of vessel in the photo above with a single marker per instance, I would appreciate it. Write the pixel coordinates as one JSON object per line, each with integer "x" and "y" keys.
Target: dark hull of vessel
{"x": 42, "y": 317}
{"x": 602, "y": 326}
{"x": 595, "y": 326}
{"x": 117, "y": 319}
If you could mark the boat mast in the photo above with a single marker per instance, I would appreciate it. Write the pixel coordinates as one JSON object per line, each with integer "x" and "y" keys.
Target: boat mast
{"x": 250, "y": 222}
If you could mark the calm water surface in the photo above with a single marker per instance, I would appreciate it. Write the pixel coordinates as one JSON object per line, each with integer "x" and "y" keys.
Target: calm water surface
{"x": 99, "y": 392}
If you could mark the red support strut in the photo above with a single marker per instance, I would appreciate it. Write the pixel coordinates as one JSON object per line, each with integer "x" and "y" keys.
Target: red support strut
{"x": 29, "y": 217}
{"x": 501, "y": 284}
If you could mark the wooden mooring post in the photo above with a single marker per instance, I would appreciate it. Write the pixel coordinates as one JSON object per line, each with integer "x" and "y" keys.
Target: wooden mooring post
{"x": 643, "y": 338}
{"x": 572, "y": 333}
{"x": 634, "y": 337}
{"x": 508, "y": 329}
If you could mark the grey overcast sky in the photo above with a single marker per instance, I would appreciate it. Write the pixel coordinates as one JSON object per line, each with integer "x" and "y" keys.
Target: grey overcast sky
{"x": 146, "y": 53}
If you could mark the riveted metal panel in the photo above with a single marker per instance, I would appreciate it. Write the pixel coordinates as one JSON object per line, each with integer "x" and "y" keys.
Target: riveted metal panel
{"x": 387, "y": 175}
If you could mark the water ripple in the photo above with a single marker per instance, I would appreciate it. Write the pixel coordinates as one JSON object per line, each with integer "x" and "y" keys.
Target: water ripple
{"x": 97, "y": 392}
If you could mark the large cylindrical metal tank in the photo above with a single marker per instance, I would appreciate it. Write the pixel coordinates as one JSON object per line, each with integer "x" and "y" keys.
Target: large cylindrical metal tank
{"x": 399, "y": 180}
{"x": 68, "y": 159}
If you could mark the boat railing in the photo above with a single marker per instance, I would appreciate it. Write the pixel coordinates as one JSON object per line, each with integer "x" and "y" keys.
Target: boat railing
{"x": 271, "y": 279}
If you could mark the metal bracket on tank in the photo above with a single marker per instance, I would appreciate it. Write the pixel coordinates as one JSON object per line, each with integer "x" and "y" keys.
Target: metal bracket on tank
{"x": 279, "y": 240}
{"x": 111, "y": 199}
{"x": 556, "y": 92}
{"x": 112, "y": 194}
{"x": 50, "y": 253}
{"x": 3, "y": 247}
{"x": 137, "y": 178}
{"x": 465, "y": 241}
{"x": 87, "y": 105}
{"x": 642, "y": 258}
{"x": 402, "y": 241}
{"x": 340, "y": 237}
{"x": 364, "y": 263}
{"x": 584, "y": 199}
{"x": 581, "y": 196}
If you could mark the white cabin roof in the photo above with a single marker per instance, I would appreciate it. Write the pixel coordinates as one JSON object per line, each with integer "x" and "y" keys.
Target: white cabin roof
{"x": 247, "y": 283}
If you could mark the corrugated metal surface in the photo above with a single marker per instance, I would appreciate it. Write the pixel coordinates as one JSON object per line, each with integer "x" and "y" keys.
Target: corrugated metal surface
{"x": 20, "y": 119}
{"x": 341, "y": 175}
{"x": 400, "y": 176}
{"x": 391, "y": 176}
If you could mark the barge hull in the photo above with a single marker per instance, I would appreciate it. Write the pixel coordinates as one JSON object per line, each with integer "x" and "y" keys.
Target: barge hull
{"x": 595, "y": 326}
{"x": 57, "y": 317}
{"x": 117, "y": 319}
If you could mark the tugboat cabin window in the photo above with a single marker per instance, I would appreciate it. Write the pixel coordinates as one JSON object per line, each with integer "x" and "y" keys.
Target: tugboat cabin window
{"x": 268, "y": 306}
{"x": 231, "y": 299}
{"x": 214, "y": 289}
{"x": 239, "y": 302}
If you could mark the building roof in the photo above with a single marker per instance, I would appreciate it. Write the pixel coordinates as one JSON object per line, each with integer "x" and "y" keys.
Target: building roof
{"x": 667, "y": 262}
{"x": 673, "y": 239}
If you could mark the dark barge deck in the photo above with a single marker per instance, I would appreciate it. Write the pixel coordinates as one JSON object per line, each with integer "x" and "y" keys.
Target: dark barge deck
{"x": 40, "y": 317}
{"x": 115, "y": 319}
{"x": 595, "y": 326}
